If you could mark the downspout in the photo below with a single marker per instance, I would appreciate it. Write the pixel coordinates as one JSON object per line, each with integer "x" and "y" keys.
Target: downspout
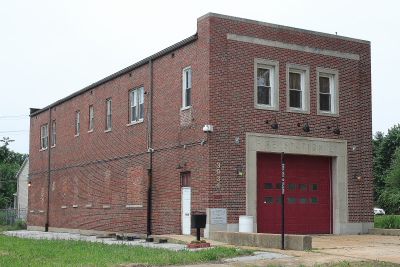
{"x": 150, "y": 150}
{"x": 48, "y": 173}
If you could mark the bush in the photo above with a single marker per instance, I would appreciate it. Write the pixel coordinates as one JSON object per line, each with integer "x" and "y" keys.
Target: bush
{"x": 387, "y": 222}
{"x": 389, "y": 200}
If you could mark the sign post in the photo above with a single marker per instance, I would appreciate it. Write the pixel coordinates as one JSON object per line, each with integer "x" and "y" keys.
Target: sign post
{"x": 283, "y": 200}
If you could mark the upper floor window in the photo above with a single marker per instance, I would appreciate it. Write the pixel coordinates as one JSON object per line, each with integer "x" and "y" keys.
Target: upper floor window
{"x": 91, "y": 118}
{"x": 298, "y": 91}
{"x": 136, "y": 105}
{"x": 109, "y": 114}
{"x": 44, "y": 136}
{"x": 187, "y": 87}
{"x": 77, "y": 123}
{"x": 266, "y": 84}
{"x": 328, "y": 95}
{"x": 53, "y": 133}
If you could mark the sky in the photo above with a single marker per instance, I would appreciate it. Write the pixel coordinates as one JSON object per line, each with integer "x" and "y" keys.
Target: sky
{"x": 51, "y": 49}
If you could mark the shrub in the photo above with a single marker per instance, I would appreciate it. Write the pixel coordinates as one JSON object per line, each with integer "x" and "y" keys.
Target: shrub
{"x": 387, "y": 222}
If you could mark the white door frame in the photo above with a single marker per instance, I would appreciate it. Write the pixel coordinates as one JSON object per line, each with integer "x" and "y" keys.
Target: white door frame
{"x": 186, "y": 210}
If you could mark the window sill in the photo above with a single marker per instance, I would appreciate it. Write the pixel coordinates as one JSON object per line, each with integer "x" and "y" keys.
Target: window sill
{"x": 266, "y": 107}
{"x": 53, "y": 146}
{"x": 43, "y": 149}
{"x": 135, "y": 122}
{"x": 108, "y": 130}
{"x": 77, "y": 135}
{"x": 90, "y": 131}
{"x": 329, "y": 114}
{"x": 298, "y": 111}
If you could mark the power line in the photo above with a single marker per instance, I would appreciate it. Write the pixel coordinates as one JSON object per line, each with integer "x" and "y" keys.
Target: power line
{"x": 20, "y": 131}
{"x": 14, "y": 117}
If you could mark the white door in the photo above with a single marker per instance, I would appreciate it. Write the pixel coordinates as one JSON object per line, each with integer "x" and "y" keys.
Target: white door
{"x": 186, "y": 199}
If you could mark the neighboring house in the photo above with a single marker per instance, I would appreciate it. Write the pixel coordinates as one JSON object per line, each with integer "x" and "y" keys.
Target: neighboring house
{"x": 21, "y": 201}
{"x": 201, "y": 127}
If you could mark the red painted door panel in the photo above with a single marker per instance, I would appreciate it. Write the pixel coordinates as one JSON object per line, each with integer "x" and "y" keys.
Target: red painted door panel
{"x": 307, "y": 194}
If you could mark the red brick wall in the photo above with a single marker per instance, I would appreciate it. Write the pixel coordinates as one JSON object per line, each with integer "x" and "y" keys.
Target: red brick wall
{"x": 110, "y": 168}
{"x": 233, "y": 113}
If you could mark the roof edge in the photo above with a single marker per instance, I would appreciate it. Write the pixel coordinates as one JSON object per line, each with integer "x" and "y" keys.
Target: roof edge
{"x": 121, "y": 72}
{"x": 282, "y": 27}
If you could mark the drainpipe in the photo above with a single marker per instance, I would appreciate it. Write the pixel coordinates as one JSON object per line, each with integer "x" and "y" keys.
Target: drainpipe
{"x": 48, "y": 173}
{"x": 150, "y": 150}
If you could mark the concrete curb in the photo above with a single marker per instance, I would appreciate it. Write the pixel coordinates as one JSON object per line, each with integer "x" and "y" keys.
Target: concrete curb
{"x": 292, "y": 242}
{"x": 378, "y": 231}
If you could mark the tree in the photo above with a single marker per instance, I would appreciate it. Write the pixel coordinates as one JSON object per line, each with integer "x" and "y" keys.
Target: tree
{"x": 385, "y": 147}
{"x": 10, "y": 162}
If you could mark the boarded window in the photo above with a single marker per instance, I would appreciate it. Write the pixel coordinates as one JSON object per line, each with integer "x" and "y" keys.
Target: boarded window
{"x": 185, "y": 179}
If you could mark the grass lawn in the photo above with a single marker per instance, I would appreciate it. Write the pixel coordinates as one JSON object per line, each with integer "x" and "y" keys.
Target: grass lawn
{"x": 31, "y": 252}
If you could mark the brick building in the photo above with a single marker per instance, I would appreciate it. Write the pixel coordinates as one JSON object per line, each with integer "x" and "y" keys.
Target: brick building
{"x": 202, "y": 125}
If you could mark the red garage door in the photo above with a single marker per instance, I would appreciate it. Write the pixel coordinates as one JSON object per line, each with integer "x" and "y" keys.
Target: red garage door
{"x": 307, "y": 194}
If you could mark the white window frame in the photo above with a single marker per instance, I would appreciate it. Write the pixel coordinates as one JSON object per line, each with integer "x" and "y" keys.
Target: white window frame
{"x": 53, "y": 133}
{"x": 136, "y": 105}
{"x": 109, "y": 114}
{"x": 77, "y": 123}
{"x": 44, "y": 136}
{"x": 304, "y": 72}
{"x": 187, "y": 77}
{"x": 333, "y": 76}
{"x": 91, "y": 118}
{"x": 273, "y": 66}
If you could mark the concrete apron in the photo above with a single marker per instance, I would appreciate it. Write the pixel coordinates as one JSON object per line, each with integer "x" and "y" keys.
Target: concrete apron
{"x": 331, "y": 249}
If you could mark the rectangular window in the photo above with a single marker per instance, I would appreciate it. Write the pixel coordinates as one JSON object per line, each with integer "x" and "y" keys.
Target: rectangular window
{"x": 77, "y": 123}
{"x": 268, "y": 186}
{"x": 136, "y": 97}
{"x": 187, "y": 87}
{"x": 44, "y": 136}
{"x": 91, "y": 118}
{"x": 53, "y": 133}
{"x": 266, "y": 84}
{"x": 268, "y": 200}
{"x": 298, "y": 88}
{"x": 313, "y": 187}
{"x": 109, "y": 115}
{"x": 328, "y": 97}
{"x": 295, "y": 90}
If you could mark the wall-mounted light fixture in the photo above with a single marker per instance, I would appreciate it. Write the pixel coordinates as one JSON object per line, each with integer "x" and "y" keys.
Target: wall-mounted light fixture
{"x": 29, "y": 184}
{"x": 181, "y": 167}
{"x": 305, "y": 126}
{"x": 336, "y": 130}
{"x": 208, "y": 128}
{"x": 239, "y": 171}
{"x": 274, "y": 125}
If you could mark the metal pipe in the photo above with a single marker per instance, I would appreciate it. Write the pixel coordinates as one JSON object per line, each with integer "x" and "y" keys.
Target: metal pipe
{"x": 48, "y": 173}
{"x": 150, "y": 150}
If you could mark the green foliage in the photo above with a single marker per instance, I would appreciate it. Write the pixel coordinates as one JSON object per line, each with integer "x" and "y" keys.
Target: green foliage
{"x": 387, "y": 222}
{"x": 389, "y": 200}
{"x": 385, "y": 147}
{"x": 10, "y": 163}
{"x": 18, "y": 252}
